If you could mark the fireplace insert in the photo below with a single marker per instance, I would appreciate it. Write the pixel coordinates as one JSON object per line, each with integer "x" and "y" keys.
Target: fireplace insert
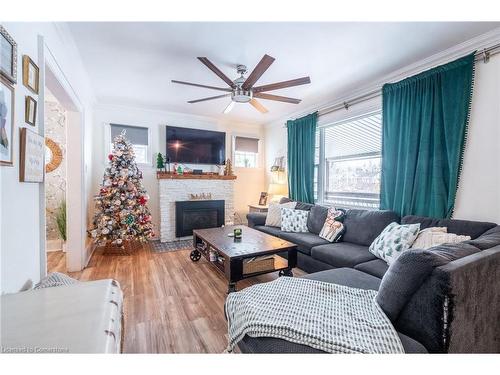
{"x": 197, "y": 214}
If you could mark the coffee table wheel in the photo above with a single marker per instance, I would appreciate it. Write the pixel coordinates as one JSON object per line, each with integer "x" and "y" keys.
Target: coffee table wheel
{"x": 285, "y": 273}
{"x": 195, "y": 255}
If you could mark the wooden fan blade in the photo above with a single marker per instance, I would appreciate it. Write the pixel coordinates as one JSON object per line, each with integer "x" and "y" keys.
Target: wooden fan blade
{"x": 210, "y": 98}
{"x": 259, "y": 107}
{"x": 216, "y": 70}
{"x": 261, "y": 67}
{"x": 282, "y": 85}
{"x": 204, "y": 86}
{"x": 278, "y": 98}
{"x": 228, "y": 108}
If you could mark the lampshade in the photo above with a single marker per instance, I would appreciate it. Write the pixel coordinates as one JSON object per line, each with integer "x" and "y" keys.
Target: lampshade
{"x": 277, "y": 189}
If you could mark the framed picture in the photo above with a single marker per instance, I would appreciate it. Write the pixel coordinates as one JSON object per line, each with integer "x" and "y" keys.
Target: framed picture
{"x": 8, "y": 56}
{"x": 31, "y": 74}
{"x": 263, "y": 199}
{"x": 30, "y": 111}
{"x": 31, "y": 160}
{"x": 6, "y": 121}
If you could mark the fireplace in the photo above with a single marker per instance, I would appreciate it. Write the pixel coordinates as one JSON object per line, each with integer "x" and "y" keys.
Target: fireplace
{"x": 197, "y": 214}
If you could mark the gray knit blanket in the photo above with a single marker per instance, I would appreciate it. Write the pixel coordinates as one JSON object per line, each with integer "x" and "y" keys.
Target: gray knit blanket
{"x": 329, "y": 317}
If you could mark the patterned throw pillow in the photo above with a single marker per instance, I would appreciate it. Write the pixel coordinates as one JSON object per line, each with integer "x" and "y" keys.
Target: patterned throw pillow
{"x": 333, "y": 229}
{"x": 294, "y": 220}
{"x": 393, "y": 240}
{"x": 273, "y": 218}
{"x": 435, "y": 236}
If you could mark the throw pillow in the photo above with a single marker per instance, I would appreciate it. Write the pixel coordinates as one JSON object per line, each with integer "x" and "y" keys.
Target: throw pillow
{"x": 294, "y": 220}
{"x": 393, "y": 240}
{"x": 273, "y": 218}
{"x": 435, "y": 236}
{"x": 333, "y": 228}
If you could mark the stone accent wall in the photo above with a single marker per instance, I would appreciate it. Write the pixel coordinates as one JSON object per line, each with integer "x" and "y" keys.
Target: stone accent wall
{"x": 179, "y": 190}
{"x": 55, "y": 181}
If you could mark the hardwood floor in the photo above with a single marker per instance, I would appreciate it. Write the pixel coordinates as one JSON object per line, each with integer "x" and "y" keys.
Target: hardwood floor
{"x": 171, "y": 304}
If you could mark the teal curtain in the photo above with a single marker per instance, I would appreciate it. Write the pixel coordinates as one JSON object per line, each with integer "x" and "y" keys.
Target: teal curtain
{"x": 425, "y": 119}
{"x": 301, "y": 138}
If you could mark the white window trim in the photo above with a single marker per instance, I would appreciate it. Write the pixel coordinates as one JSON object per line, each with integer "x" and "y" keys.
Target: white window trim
{"x": 322, "y": 161}
{"x": 108, "y": 141}
{"x": 233, "y": 149}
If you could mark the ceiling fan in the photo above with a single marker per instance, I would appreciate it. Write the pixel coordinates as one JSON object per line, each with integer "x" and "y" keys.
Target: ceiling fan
{"x": 242, "y": 90}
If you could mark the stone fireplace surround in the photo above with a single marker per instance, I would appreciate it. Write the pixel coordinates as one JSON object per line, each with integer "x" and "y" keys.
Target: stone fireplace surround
{"x": 173, "y": 189}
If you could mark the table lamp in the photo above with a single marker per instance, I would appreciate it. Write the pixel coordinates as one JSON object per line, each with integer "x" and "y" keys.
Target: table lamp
{"x": 276, "y": 191}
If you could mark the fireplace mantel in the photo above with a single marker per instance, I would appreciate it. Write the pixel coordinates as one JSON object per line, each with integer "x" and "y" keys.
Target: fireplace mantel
{"x": 191, "y": 176}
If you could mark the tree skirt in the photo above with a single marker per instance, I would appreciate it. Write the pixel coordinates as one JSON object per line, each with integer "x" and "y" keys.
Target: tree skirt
{"x": 163, "y": 247}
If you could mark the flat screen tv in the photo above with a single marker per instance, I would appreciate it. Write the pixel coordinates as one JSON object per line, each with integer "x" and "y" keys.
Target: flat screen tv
{"x": 195, "y": 146}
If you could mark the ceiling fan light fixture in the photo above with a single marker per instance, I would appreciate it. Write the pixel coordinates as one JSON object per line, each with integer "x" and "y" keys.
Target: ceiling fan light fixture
{"x": 241, "y": 96}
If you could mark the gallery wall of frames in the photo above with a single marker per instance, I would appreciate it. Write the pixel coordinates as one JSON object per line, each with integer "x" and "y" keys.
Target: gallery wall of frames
{"x": 31, "y": 144}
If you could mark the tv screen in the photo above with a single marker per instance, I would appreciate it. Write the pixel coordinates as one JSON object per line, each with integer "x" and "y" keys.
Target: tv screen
{"x": 195, "y": 146}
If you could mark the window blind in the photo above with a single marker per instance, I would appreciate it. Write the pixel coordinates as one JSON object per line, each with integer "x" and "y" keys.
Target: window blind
{"x": 245, "y": 144}
{"x": 135, "y": 134}
{"x": 355, "y": 138}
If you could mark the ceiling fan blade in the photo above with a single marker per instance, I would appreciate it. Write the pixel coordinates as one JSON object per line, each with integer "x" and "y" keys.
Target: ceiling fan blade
{"x": 216, "y": 70}
{"x": 282, "y": 85}
{"x": 205, "y": 86}
{"x": 259, "y": 107}
{"x": 278, "y": 98}
{"x": 228, "y": 108}
{"x": 210, "y": 98}
{"x": 261, "y": 67}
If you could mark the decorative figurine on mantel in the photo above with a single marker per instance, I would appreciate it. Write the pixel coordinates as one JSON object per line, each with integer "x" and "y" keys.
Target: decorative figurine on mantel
{"x": 160, "y": 165}
{"x": 229, "y": 168}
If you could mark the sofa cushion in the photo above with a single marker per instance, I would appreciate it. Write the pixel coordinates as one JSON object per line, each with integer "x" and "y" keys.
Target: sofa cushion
{"x": 299, "y": 205}
{"x": 342, "y": 254}
{"x": 273, "y": 231}
{"x": 305, "y": 241}
{"x": 348, "y": 277}
{"x": 317, "y": 217}
{"x": 376, "y": 267}
{"x": 487, "y": 240}
{"x": 273, "y": 345}
{"x": 363, "y": 226}
{"x": 464, "y": 227}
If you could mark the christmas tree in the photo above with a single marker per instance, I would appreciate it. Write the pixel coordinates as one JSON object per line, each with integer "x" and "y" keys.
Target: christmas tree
{"x": 160, "y": 164}
{"x": 121, "y": 212}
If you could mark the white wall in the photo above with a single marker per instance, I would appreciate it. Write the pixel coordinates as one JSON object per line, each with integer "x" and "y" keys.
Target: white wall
{"x": 249, "y": 182}
{"x": 20, "y": 251}
{"x": 478, "y": 195}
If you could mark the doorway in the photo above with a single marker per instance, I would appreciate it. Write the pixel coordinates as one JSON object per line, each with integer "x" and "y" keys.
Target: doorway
{"x": 63, "y": 124}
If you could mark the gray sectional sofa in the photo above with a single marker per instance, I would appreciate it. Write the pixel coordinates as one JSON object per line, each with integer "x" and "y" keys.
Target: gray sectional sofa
{"x": 444, "y": 299}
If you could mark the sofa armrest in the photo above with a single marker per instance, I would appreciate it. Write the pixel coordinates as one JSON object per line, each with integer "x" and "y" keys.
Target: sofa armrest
{"x": 256, "y": 218}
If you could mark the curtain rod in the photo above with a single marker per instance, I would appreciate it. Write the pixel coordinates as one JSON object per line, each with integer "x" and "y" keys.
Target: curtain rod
{"x": 483, "y": 55}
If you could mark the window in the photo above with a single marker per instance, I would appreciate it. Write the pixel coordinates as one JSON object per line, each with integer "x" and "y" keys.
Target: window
{"x": 138, "y": 136}
{"x": 246, "y": 152}
{"x": 348, "y": 162}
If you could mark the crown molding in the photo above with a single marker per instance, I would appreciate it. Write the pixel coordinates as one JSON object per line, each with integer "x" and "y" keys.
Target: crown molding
{"x": 478, "y": 43}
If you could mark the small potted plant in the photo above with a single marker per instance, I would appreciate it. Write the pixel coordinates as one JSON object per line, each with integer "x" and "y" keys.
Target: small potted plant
{"x": 61, "y": 223}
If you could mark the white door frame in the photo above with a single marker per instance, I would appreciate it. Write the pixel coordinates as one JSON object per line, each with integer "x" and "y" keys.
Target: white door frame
{"x": 75, "y": 186}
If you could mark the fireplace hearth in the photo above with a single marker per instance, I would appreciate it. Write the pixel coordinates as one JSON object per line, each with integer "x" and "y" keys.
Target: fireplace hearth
{"x": 197, "y": 214}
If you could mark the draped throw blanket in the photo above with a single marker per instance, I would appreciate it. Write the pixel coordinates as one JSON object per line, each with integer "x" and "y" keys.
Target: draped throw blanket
{"x": 329, "y": 317}
{"x": 301, "y": 138}
{"x": 425, "y": 119}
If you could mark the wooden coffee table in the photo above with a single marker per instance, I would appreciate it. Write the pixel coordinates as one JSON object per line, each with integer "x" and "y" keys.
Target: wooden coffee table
{"x": 229, "y": 254}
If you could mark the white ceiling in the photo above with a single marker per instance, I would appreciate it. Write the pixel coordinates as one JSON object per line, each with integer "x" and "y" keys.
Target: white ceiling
{"x": 133, "y": 63}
